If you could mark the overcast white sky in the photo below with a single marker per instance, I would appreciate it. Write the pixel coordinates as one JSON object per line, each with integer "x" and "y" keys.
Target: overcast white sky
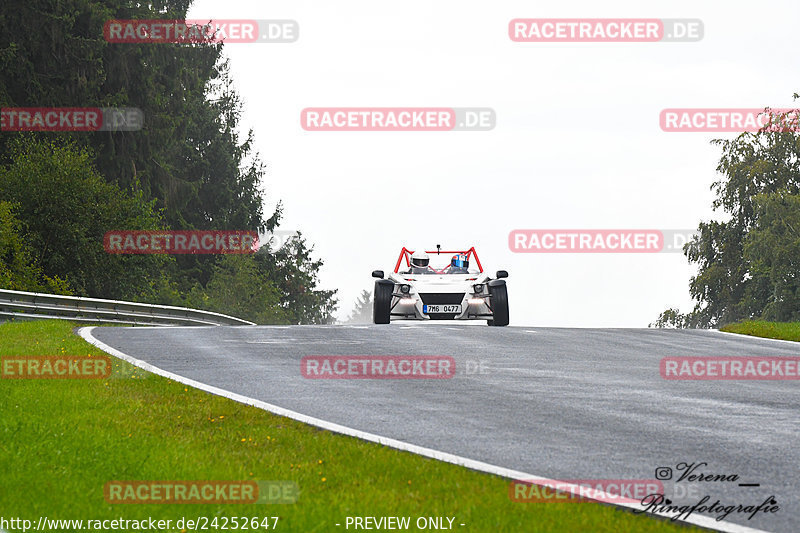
{"x": 577, "y": 142}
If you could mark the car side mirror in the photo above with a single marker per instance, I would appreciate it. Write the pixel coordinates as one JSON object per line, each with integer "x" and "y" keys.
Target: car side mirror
{"x": 502, "y": 274}
{"x": 377, "y": 274}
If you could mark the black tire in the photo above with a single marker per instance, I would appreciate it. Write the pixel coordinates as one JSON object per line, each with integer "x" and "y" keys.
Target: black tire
{"x": 382, "y": 301}
{"x": 499, "y": 293}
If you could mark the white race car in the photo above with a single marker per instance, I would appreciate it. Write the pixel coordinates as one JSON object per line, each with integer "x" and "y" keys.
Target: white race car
{"x": 454, "y": 292}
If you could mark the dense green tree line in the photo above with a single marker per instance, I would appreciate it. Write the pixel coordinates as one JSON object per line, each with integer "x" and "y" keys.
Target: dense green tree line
{"x": 188, "y": 168}
{"x": 749, "y": 263}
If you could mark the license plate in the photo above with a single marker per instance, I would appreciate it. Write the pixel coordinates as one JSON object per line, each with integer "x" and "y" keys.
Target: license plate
{"x": 442, "y": 308}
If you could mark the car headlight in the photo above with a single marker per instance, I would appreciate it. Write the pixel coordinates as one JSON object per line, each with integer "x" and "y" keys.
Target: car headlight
{"x": 477, "y": 288}
{"x": 405, "y": 288}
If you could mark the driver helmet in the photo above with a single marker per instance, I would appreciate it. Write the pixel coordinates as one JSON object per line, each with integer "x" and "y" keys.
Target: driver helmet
{"x": 419, "y": 260}
{"x": 459, "y": 261}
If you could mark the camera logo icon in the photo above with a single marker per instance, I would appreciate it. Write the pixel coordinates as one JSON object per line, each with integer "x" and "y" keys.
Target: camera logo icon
{"x": 663, "y": 473}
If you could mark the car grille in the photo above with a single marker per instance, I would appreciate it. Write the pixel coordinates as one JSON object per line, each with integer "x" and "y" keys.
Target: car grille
{"x": 451, "y": 298}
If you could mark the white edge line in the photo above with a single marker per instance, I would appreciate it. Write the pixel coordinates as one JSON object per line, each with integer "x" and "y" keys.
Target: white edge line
{"x": 702, "y": 521}
{"x": 754, "y": 337}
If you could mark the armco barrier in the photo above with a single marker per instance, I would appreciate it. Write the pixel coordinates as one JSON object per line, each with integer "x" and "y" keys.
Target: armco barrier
{"x": 19, "y": 305}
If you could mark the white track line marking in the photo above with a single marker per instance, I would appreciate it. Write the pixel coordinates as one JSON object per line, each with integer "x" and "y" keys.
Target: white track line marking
{"x": 698, "y": 520}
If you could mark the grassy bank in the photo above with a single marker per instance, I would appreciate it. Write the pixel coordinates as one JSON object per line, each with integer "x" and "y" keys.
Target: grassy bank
{"x": 789, "y": 331}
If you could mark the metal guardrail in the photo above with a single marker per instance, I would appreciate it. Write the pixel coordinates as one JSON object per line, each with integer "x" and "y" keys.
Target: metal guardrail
{"x": 20, "y": 305}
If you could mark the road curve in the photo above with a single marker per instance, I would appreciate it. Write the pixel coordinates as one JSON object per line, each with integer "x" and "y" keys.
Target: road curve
{"x": 560, "y": 403}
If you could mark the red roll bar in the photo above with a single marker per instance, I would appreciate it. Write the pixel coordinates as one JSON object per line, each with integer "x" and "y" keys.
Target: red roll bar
{"x": 406, "y": 253}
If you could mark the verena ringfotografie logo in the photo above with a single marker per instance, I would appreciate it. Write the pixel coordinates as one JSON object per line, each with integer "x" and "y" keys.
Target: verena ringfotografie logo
{"x": 378, "y": 367}
{"x": 605, "y": 30}
{"x": 55, "y": 367}
{"x": 692, "y": 483}
{"x": 608, "y": 241}
{"x": 159, "y": 31}
{"x": 181, "y": 242}
{"x": 729, "y": 120}
{"x": 204, "y": 492}
{"x": 583, "y": 490}
{"x": 730, "y": 368}
{"x": 71, "y": 119}
{"x": 397, "y": 119}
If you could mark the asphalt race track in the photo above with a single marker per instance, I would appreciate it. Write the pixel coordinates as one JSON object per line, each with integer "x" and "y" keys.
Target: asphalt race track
{"x": 560, "y": 403}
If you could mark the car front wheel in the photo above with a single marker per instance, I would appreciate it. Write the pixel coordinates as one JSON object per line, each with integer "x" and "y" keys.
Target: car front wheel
{"x": 499, "y": 294}
{"x": 382, "y": 302}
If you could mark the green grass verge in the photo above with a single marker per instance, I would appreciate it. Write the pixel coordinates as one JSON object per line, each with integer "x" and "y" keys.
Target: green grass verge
{"x": 789, "y": 331}
{"x": 62, "y": 440}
